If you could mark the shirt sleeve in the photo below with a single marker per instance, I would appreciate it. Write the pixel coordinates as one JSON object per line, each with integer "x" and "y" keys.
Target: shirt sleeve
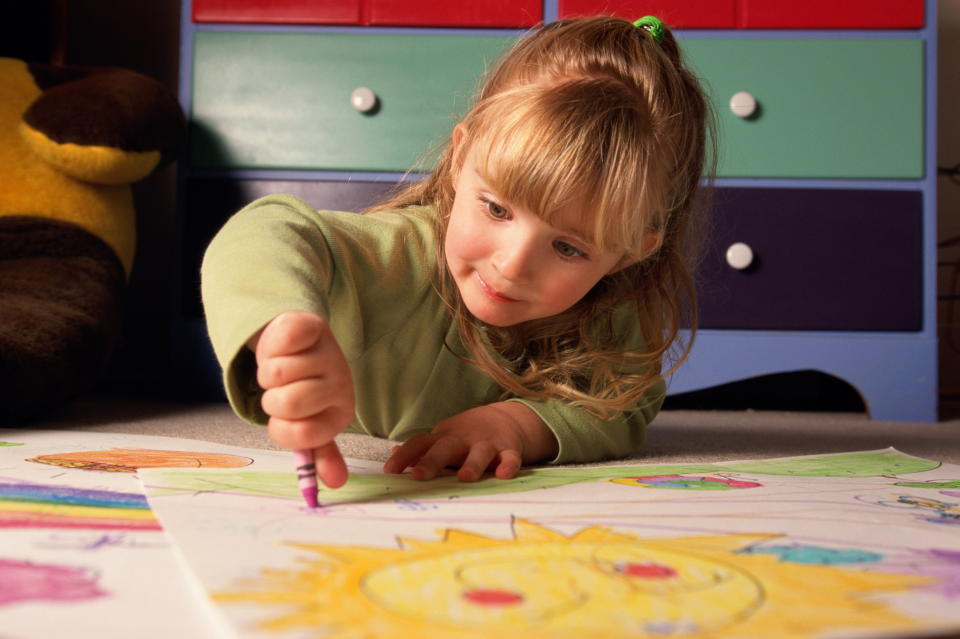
{"x": 583, "y": 437}
{"x": 368, "y": 275}
{"x": 267, "y": 259}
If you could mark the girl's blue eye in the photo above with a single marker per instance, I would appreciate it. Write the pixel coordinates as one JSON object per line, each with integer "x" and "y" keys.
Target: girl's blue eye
{"x": 566, "y": 250}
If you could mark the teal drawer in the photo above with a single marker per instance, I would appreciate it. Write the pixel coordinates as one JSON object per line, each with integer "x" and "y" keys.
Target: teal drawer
{"x": 827, "y": 108}
{"x": 832, "y": 108}
{"x": 282, "y": 100}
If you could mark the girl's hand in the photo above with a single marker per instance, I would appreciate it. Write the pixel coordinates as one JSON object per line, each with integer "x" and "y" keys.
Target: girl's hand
{"x": 308, "y": 388}
{"x": 502, "y": 436}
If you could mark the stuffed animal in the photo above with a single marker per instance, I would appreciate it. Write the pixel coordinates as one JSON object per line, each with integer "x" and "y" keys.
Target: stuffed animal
{"x": 71, "y": 142}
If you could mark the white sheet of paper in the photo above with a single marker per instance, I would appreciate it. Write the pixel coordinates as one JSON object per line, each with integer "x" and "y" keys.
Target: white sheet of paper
{"x": 849, "y": 545}
{"x": 81, "y": 554}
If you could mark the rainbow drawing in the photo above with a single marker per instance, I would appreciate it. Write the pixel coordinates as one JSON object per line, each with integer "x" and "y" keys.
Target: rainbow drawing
{"x": 31, "y": 505}
{"x": 688, "y": 482}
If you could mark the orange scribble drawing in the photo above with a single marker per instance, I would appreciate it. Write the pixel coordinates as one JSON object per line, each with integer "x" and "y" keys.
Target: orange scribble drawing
{"x": 128, "y": 460}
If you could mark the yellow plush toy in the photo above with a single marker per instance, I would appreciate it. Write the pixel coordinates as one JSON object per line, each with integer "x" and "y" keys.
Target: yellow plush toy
{"x": 71, "y": 142}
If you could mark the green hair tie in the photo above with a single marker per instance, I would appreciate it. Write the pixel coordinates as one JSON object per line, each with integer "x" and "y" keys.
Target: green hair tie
{"x": 651, "y": 24}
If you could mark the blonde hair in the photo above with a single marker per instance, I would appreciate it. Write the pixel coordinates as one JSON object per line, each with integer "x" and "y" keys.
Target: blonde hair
{"x": 591, "y": 112}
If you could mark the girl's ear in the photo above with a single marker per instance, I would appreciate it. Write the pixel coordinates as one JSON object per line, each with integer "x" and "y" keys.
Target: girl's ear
{"x": 456, "y": 144}
{"x": 623, "y": 263}
{"x": 651, "y": 243}
{"x": 459, "y": 132}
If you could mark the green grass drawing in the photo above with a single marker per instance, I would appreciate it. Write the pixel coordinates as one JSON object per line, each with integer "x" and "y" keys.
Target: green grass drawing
{"x": 362, "y": 488}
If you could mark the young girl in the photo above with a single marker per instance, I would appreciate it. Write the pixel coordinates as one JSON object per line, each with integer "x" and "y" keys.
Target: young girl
{"x": 516, "y": 306}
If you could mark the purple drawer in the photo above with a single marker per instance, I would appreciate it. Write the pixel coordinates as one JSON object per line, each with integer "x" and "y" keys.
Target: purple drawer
{"x": 823, "y": 259}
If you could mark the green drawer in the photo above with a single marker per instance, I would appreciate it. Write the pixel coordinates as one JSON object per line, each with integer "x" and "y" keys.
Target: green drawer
{"x": 828, "y": 108}
{"x": 282, "y": 100}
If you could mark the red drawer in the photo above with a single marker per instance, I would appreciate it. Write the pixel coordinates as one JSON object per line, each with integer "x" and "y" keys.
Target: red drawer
{"x": 419, "y": 13}
{"x": 677, "y": 14}
{"x": 832, "y": 14}
{"x": 278, "y": 11}
{"x": 759, "y": 14}
{"x": 443, "y": 13}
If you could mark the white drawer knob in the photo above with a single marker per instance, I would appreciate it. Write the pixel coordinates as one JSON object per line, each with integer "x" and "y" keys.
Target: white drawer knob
{"x": 743, "y": 105}
{"x": 739, "y": 256}
{"x": 363, "y": 99}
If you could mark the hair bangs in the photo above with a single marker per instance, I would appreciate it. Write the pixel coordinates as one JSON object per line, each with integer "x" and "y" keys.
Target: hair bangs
{"x": 584, "y": 158}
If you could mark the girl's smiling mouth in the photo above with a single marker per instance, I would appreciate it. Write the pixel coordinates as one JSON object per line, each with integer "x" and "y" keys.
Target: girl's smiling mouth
{"x": 492, "y": 293}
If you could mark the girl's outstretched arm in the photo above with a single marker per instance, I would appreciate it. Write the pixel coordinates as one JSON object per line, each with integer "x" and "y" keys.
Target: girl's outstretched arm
{"x": 308, "y": 388}
{"x": 502, "y": 436}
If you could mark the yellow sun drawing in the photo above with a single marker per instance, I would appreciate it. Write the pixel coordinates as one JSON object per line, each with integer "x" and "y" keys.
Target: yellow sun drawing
{"x": 595, "y": 583}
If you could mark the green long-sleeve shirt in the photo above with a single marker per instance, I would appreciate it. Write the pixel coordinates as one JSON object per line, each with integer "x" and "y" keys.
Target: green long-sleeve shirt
{"x": 371, "y": 276}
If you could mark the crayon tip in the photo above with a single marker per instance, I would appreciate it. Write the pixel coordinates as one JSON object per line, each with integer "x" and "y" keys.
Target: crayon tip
{"x": 310, "y": 495}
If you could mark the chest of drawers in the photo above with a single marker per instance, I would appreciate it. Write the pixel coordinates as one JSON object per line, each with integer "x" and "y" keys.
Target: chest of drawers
{"x": 825, "y": 201}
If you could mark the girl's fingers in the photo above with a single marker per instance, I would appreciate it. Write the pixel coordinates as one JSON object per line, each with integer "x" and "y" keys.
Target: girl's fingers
{"x": 273, "y": 372}
{"x": 290, "y": 333}
{"x": 312, "y": 432}
{"x": 477, "y": 461}
{"x": 331, "y": 468}
{"x": 429, "y": 454}
{"x": 446, "y": 451}
{"x": 301, "y": 399}
{"x": 408, "y": 453}
{"x": 510, "y": 463}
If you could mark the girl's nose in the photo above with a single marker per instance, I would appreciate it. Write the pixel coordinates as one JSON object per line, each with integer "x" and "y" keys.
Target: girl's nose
{"x": 514, "y": 261}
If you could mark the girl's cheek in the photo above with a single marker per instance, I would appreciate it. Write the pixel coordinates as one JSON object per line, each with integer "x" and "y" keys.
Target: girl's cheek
{"x": 470, "y": 242}
{"x": 469, "y": 249}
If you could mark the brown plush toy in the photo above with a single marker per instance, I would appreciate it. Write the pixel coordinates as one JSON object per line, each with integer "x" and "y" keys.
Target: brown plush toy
{"x": 71, "y": 142}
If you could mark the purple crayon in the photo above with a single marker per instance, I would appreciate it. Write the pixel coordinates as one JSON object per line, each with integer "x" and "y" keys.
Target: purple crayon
{"x": 306, "y": 475}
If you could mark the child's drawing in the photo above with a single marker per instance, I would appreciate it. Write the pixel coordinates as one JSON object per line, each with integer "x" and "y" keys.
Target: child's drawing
{"x": 81, "y": 553}
{"x": 941, "y": 564}
{"x": 22, "y": 581}
{"x": 372, "y": 487}
{"x": 595, "y": 582}
{"x": 30, "y": 505}
{"x": 800, "y": 547}
{"x": 719, "y": 481}
{"x": 933, "y": 510}
{"x": 128, "y": 460}
{"x": 933, "y": 485}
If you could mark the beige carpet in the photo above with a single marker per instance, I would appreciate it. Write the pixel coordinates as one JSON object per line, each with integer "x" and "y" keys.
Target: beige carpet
{"x": 674, "y": 435}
